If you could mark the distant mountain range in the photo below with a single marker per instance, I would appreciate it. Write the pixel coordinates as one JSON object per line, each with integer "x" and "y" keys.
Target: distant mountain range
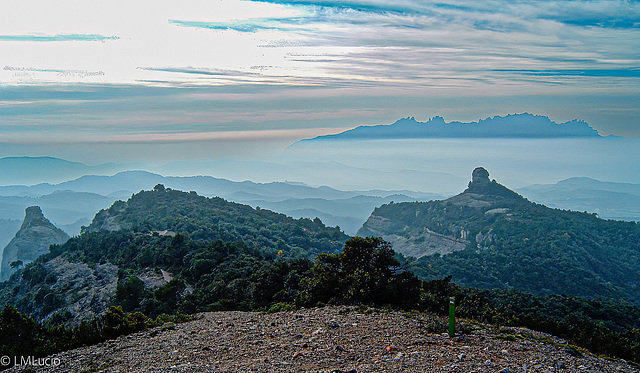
{"x": 511, "y": 126}
{"x": 71, "y": 204}
{"x": 8, "y": 228}
{"x": 33, "y": 170}
{"x": 619, "y": 201}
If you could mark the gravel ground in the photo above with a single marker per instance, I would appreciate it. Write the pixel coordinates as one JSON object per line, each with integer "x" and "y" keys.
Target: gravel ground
{"x": 331, "y": 339}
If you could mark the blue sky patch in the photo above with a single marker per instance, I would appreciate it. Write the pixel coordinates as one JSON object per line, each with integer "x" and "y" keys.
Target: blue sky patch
{"x": 607, "y": 73}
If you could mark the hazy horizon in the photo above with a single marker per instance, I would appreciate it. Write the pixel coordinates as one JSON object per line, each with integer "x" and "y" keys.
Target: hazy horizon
{"x": 441, "y": 166}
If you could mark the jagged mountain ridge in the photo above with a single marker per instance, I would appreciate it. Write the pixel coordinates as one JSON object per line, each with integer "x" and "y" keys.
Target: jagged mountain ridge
{"x": 33, "y": 239}
{"x": 490, "y": 237}
{"x": 523, "y": 125}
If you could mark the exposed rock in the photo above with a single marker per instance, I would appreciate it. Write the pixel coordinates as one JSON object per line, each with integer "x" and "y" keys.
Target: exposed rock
{"x": 415, "y": 230}
{"x": 479, "y": 176}
{"x": 74, "y": 292}
{"x": 375, "y": 225}
{"x": 501, "y": 210}
{"x": 104, "y": 221}
{"x": 154, "y": 278}
{"x": 425, "y": 243}
{"x": 87, "y": 292}
{"x": 484, "y": 193}
{"x": 484, "y": 240}
{"x": 378, "y": 341}
{"x": 33, "y": 239}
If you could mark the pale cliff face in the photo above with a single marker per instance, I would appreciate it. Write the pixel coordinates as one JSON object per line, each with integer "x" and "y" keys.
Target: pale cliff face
{"x": 33, "y": 239}
{"x": 404, "y": 225}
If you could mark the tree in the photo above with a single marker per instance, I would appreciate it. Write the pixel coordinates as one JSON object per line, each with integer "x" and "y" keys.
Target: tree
{"x": 16, "y": 264}
{"x": 129, "y": 293}
{"x": 365, "y": 272}
{"x": 369, "y": 265}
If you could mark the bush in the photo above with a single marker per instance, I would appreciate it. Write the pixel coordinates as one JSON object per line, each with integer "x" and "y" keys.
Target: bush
{"x": 366, "y": 272}
{"x": 129, "y": 293}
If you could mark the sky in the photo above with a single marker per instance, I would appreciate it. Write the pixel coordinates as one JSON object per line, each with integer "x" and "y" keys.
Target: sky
{"x": 164, "y": 80}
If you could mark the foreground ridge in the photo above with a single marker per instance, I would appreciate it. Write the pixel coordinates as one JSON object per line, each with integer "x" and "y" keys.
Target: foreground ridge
{"x": 331, "y": 339}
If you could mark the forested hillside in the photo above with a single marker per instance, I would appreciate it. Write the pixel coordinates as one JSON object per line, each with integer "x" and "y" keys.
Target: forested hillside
{"x": 201, "y": 218}
{"x": 507, "y": 242}
{"x": 162, "y": 251}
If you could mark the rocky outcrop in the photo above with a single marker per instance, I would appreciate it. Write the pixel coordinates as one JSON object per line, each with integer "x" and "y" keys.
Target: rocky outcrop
{"x": 426, "y": 243}
{"x": 482, "y": 192}
{"x": 106, "y": 220}
{"x": 480, "y": 176}
{"x": 437, "y": 227}
{"x": 33, "y": 239}
{"x": 61, "y": 290}
{"x": 485, "y": 240}
{"x": 412, "y": 242}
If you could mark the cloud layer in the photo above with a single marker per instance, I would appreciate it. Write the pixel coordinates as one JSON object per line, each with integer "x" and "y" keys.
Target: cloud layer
{"x": 402, "y": 42}
{"x": 82, "y": 70}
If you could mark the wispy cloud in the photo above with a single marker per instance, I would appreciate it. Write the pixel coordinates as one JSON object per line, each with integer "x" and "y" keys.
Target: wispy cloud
{"x": 61, "y": 72}
{"x": 608, "y": 13}
{"x": 250, "y": 25}
{"x": 320, "y": 42}
{"x": 603, "y": 14}
{"x": 62, "y": 137}
{"x": 198, "y": 71}
{"x": 398, "y": 41}
{"x": 59, "y": 37}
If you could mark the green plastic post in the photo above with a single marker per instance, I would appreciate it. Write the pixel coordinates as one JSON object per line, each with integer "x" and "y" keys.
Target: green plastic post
{"x": 452, "y": 317}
